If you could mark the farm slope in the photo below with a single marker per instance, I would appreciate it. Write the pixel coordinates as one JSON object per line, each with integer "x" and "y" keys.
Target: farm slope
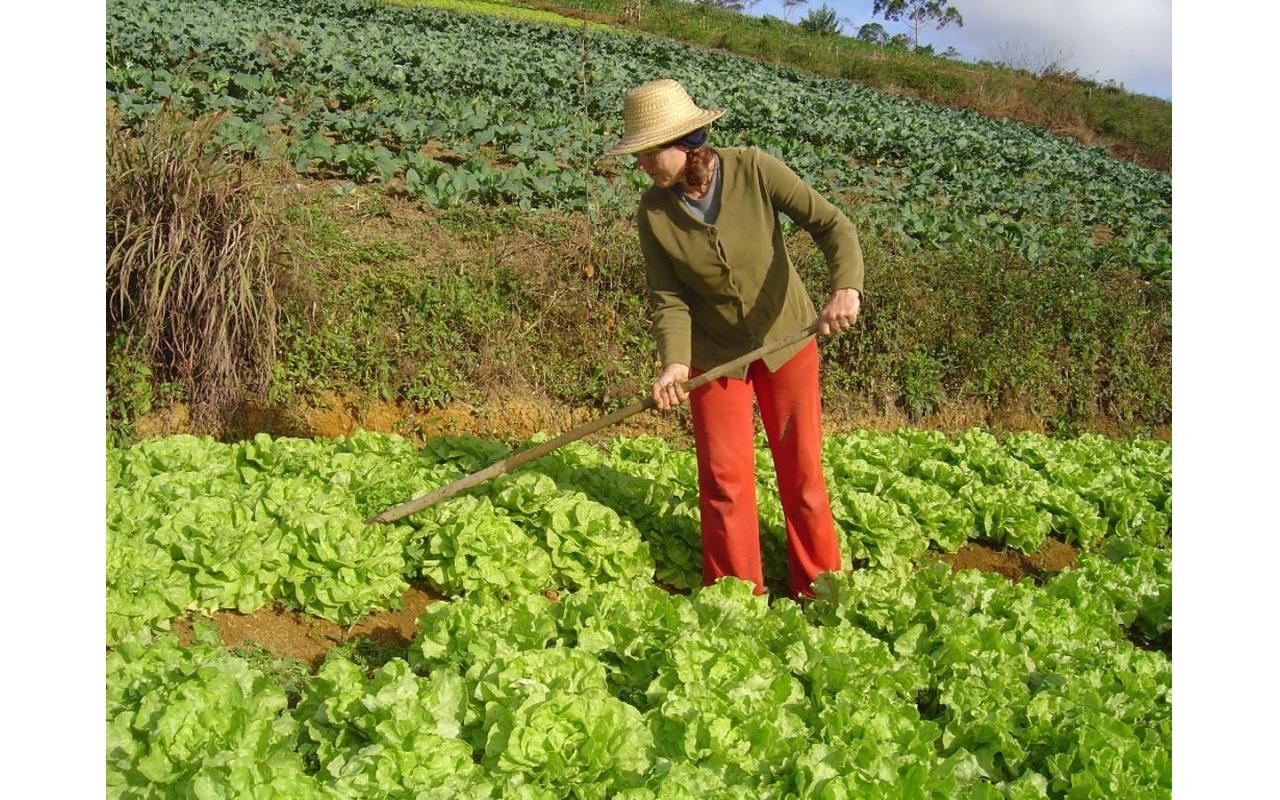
{"x": 369, "y": 91}
{"x": 1133, "y": 126}
{"x": 1013, "y": 275}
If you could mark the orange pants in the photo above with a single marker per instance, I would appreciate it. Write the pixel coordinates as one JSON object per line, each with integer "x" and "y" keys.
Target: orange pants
{"x": 724, "y": 429}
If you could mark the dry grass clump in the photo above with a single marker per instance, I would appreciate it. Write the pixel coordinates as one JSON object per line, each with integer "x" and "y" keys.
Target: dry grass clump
{"x": 196, "y": 253}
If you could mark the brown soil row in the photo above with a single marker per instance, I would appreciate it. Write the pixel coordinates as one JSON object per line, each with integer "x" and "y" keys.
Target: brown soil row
{"x": 1055, "y": 556}
{"x": 512, "y": 418}
{"x": 292, "y": 634}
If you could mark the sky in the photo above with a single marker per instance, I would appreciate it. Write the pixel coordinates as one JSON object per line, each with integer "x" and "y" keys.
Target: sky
{"x": 1129, "y": 41}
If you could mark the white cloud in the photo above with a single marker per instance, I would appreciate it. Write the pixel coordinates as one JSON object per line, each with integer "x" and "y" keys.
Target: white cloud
{"x": 1130, "y": 41}
{"x": 1127, "y": 40}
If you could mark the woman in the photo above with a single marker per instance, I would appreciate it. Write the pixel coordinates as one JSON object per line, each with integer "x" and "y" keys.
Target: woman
{"x": 721, "y": 284}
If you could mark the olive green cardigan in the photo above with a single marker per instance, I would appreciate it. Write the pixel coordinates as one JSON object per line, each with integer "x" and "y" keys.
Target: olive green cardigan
{"x": 719, "y": 291}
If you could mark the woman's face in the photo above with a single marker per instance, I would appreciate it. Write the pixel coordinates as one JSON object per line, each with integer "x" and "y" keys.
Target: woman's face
{"x": 663, "y": 164}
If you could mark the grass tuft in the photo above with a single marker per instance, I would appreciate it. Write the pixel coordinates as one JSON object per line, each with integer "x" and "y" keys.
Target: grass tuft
{"x": 196, "y": 252}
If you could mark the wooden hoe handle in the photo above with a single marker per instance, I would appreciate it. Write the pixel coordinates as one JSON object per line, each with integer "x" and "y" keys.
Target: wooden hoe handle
{"x": 514, "y": 462}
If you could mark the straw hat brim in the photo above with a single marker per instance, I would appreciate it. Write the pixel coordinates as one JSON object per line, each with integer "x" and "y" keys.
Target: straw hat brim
{"x": 651, "y": 137}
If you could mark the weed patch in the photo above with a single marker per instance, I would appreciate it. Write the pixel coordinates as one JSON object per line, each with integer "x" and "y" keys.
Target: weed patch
{"x": 435, "y": 310}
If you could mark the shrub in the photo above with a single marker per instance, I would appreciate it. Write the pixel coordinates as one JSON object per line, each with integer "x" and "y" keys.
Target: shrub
{"x": 822, "y": 20}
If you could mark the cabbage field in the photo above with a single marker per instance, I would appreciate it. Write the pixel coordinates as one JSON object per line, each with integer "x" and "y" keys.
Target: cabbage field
{"x": 467, "y": 109}
{"x": 576, "y": 655}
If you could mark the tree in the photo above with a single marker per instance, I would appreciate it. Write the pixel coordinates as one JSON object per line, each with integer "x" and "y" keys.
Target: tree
{"x": 790, "y": 5}
{"x": 916, "y": 12}
{"x": 873, "y": 33}
{"x": 821, "y": 21}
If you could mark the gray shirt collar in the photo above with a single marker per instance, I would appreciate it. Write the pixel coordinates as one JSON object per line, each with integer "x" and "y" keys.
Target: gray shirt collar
{"x": 707, "y": 207}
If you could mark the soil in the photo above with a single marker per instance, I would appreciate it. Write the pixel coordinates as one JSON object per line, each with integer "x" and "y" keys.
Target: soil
{"x": 289, "y": 633}
{"x": 511, "y": 418}
{"x": 1055, "y": 556}
{"x": 503, "y": 416}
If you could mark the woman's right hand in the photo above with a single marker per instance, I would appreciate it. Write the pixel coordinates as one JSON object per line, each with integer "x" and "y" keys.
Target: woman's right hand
{"x": 667, "y": 392}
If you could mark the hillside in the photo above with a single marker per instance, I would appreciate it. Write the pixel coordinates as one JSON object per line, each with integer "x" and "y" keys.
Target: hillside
{"x": 1130, "y": 126}
{"x": 466, "y": 241}
{"x": 447, "y": 106}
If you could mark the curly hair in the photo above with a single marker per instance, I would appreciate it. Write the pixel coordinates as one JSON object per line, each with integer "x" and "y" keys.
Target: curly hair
{"x": 698, "y": 167}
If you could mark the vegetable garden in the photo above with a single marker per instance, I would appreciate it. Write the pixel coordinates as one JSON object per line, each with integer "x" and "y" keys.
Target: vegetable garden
{"x": 464, "y": 109}
{"x": 574, "y": 652}
{"x": 901, "y": 679}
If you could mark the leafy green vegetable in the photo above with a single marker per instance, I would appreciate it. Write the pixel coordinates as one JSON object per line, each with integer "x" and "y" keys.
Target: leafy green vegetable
{"x": 474, "y": 546}
{"x": 898, "y": 678}
{"x": 197, "y": 722}
{"x": 590, "y": 743}
{"x": 357, "y": 91}
{"x": 394, "y": 734}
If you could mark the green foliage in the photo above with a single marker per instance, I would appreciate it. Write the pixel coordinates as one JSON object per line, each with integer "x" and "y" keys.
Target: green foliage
{"x": 1127, "y": 583}
{"x": 896, "y": 676}
{"x": 967, "y": 635}
{"x": 1067, "y": 333}
{"x": 918, "y": 11}
{"x": 473, "y": 550}
{"x": 965, "y": 327}
{"x": 1137, "y": 127}
{"x": 391, "y": 734}
{"x": 899, "y": 41}
{"x": 502, "y": 9}
{"x": 931, "y": 176}
{"x": 559, "y": 738}
{"x": 197, "y": 525}
{"x": 973, "y": 327}
{"x": 198, "y": 722}
{"x": 921, "y": 384}
{"x": 873, "y": 33}
{"x": 400, "y": 323}
{"x": 822, "y": 21}
{"x": 132, "y": 389}
{"x": 897, "y": 680}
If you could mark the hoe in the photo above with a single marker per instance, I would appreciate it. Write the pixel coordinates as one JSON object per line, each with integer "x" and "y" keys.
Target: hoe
{"x": 513, "y": 462}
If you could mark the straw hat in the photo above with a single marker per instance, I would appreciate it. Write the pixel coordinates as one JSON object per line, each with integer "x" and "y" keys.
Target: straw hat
{"x": 659, "y": 112}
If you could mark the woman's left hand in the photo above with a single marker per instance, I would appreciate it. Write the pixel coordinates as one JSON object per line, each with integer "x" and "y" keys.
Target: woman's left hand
{"x": 841, "y": 311}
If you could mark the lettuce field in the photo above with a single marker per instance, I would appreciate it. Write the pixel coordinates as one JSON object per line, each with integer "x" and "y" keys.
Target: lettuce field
{"x": 466, "y": 109}
{"x": 575, "y": 654}
{"x": 573, "y": 651}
